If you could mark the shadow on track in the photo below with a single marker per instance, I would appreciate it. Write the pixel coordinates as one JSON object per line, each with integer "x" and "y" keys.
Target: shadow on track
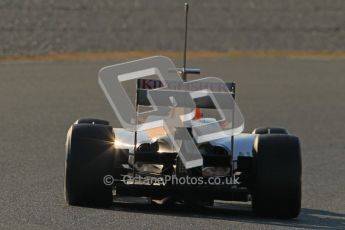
{"x": 308, "y": 219}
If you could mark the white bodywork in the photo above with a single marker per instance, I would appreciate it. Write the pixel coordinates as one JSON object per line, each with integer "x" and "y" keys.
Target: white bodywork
{"x": 243, "y": 143}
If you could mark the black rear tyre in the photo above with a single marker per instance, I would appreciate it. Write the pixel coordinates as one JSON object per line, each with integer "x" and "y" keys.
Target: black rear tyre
{"x": 92, "y": 121}
{"x": 268, "y": 130}
{"x": 277, "y": 176}
{"x": 89, "y": 157}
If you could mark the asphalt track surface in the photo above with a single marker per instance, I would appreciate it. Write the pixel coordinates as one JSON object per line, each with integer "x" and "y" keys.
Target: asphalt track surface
{"x": 39, "y": 101}
{"x": 41, "y": 26}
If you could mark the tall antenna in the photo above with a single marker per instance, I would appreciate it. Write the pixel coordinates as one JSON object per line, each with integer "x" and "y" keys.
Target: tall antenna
{"x": 184, "y": 74}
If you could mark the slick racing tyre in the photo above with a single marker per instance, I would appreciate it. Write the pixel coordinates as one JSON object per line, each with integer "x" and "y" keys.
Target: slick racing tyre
{"x": 268, "y": 130}
{"x": 89, "y": 158}
{"x": 92, "y": 121}
{"x": 277, "y": 169}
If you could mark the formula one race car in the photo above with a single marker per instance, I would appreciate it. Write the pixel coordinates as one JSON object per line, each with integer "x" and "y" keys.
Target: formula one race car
{"x": 103, "y": 163}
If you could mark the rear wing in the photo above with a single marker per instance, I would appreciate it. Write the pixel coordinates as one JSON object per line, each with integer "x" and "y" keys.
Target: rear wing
{"x": 144, "y": 85}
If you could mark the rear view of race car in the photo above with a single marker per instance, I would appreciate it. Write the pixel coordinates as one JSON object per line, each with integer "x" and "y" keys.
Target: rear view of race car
{"x": 180, "y": 155}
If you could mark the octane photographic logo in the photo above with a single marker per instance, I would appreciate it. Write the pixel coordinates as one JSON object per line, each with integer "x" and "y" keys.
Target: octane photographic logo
{"x": 109, "y": 180}
{"x": 173, "y": 104}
